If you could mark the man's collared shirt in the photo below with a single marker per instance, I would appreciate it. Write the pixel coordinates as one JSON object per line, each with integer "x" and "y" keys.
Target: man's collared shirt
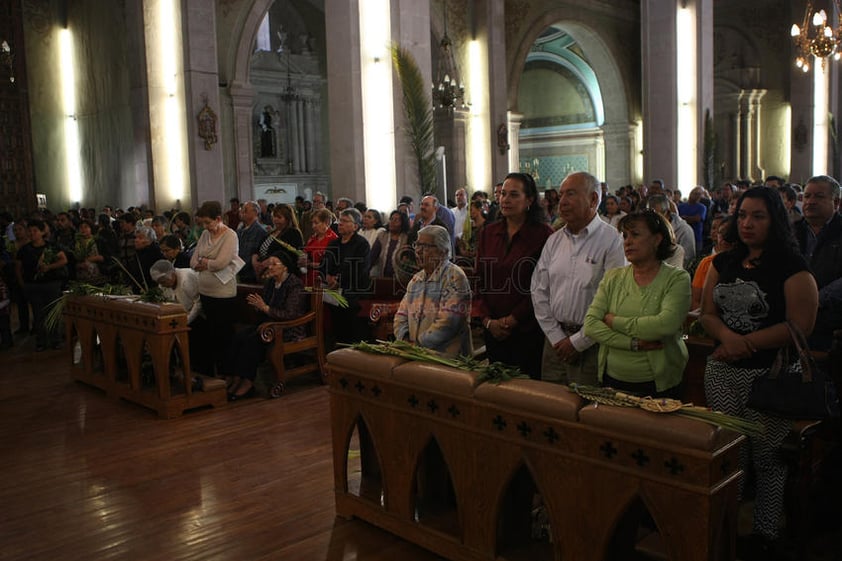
{"x": 186, "y": 292}
{"x": 567, "y": 275}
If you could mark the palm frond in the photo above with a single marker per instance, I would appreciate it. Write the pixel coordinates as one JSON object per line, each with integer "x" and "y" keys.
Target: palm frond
{"x": 418, "y": 109}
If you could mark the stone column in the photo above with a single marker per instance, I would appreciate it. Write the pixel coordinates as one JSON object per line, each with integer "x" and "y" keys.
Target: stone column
{"x": 201, "y": 81}
{"x": 141, "y": 162}
{"x": 620, "y": 136}
{"x": 293, "y": 127}
{"x": 660, "y": 84}
{"x": 310, "y": 133}
{"x": 750, "y": 126}
{"x": 411, "y": 30}
{"x": 301, "y": 142}
{"x": 345, "y": 111}
{"x": 515, "y": 120}
{"x": 242, "y": 102}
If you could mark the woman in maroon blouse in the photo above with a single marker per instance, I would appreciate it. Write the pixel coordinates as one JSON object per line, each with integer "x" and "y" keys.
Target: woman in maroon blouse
{"x": 506, "y": 255}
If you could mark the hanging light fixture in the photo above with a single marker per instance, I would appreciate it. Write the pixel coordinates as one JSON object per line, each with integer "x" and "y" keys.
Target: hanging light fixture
{"x": 448, "y": 90}
{"x": 816, "y": 36}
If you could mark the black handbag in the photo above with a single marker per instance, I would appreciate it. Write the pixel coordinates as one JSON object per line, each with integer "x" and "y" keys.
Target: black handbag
{"x": 797, "y": 389}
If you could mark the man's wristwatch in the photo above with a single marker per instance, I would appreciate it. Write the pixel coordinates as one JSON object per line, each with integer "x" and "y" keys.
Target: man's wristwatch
{"x": 635, "y": 344}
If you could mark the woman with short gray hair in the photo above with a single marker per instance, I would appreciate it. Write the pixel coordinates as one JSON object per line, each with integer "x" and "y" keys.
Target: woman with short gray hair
{"x": 345, "y": 267}
{"x": 435, "y": 312}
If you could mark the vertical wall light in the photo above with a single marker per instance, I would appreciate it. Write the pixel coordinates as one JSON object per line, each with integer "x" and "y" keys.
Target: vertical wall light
{"x": 378, "y": 112}
{"x": 820, "y": 124}
{"x": 71, "y": 126}
{"x": 686, "y": 88}
{"x": 479, "y": 130}
{"x": 173, "y": 101}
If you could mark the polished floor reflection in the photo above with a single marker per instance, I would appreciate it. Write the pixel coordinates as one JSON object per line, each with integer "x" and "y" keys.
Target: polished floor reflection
{"x": 89, "y": 478}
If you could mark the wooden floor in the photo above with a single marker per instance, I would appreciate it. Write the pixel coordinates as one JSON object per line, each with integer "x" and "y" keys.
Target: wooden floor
{"x": 83, "y": 477}
{"x": 87, "y": 478}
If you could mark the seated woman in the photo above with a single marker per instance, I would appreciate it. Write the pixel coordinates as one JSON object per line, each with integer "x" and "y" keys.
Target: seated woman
{"x": 283, "y": 299}
{"x": 147, "y": 252}
{"x": 638, "y": 313}
{"x": 173, "y": 250}
{"x": 435, "y": 311}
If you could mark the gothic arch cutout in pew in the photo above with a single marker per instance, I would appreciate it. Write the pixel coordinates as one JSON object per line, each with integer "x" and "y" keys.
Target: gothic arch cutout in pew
{"x": 524, "y": 529}
{"x": 363, "y": 475}
{"x": 434, "y": 501}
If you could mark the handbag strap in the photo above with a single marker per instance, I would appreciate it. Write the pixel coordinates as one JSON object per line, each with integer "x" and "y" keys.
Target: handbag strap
{"x": 808, "y": 363}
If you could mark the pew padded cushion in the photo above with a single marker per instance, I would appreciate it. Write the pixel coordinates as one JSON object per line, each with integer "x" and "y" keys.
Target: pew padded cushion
{"x": 661, "y": 427}
{"x": 379, "y": 366}
{"x": 436, "y": 378}
{"x": 539, "y": 398}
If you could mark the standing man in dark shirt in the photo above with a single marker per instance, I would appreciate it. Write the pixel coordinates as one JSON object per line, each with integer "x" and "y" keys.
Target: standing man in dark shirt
{"x": 819, "y": 237}
{"x": 232, "y": 217}
{"x": 251, "y": 236}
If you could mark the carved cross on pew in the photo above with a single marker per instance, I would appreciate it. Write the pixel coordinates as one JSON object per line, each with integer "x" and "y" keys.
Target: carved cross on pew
{"x": 173, "y": 324}
{"x": 674, "y": 466}
{"x": 524, "y": 429}
{"x": 454, "y": 411}
{"x": 413, "y": 401}
{"x": 551, "y": 435}
{"x": 499, "y": 422}
{"x": 608, "y": 449}
{"x": 640, "y": 457}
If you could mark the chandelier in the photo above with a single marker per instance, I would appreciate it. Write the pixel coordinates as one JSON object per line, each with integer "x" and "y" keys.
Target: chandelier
{"x": 819, "y": 39}
{"x": 448, "y": 90}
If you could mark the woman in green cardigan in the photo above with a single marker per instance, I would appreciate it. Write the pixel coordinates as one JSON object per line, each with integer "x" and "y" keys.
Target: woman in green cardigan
{"x": 638, "y": 312}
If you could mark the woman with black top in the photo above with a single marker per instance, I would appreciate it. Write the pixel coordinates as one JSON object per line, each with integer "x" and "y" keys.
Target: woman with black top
{"x": 386, "y": 247}
{"x": 43, "y": 274}
{"x": 286, "y": 232}
{"x": 749, "y": 294}
{"x": 344, "y": 267}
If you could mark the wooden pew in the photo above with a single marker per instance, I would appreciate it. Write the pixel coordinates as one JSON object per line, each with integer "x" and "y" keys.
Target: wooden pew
{"x": 472, "y": 472}
{"x": 136, "y": 351}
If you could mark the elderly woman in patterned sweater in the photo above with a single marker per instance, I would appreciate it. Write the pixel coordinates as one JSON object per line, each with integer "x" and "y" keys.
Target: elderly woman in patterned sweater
{"x": 436, "y": 309}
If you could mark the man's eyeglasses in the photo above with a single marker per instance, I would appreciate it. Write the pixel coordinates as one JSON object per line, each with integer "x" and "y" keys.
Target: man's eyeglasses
{"x": 418, "y": 245}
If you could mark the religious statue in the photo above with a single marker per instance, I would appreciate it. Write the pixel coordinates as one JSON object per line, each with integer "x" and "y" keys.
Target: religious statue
{"x": 267, "y": 133}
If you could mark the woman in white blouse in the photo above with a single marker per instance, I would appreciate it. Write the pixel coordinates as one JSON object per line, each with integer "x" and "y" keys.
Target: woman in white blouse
{"x": 613, "y": 214}
{"x": 215, "y": 259}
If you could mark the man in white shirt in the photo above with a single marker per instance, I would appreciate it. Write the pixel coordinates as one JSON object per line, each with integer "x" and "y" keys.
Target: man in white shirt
{"x": 460, "y": 213}
{"x": 179, "y": 285}
{"x": 566, "y": 277}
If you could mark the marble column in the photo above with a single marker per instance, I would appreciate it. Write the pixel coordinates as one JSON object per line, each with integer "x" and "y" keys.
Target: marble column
{"x": 201, "y": 80}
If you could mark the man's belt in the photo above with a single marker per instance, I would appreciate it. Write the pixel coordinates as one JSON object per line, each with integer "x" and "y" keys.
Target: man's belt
{"x": 571, "y": 327}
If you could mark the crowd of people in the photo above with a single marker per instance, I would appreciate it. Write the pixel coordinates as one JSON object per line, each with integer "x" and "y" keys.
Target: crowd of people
{"x": 574, "y": 284}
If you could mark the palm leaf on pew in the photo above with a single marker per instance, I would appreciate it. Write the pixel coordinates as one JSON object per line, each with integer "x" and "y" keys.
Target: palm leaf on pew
{"x": 494, "y": 372}
{"x": 55, "y": 309}
{"x": 610, "y": 396}
{"x": 335, "y": 295}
